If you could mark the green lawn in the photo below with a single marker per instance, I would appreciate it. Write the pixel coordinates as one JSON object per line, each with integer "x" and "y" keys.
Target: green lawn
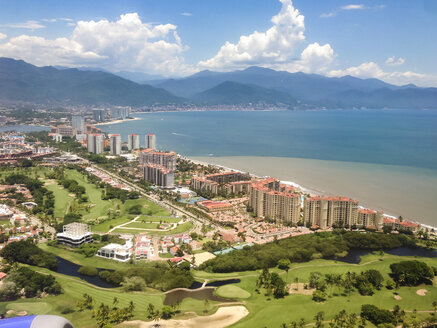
{"x": 62, "y": 198}
{"x": 263, "y": 311}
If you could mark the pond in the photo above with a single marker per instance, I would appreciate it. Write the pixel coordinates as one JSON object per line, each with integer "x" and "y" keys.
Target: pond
{"x": 177, "y": 296}
{"x": 354, "y": 255}
{"x": 70, "y": 269}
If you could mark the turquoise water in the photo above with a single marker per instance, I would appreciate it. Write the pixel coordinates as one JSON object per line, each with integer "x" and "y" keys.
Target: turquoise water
{"x": 397, "y": 137}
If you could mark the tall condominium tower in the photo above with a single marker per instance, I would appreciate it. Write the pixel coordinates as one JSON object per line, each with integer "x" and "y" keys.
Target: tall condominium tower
{"x": 150, "y": 141}
{"x": 99, "y": 115}
{"x": 78, "y": 123}
{"x": 133, "y": 141}
{"x": 115, "y": 144}
{"x": 95, "y": 143}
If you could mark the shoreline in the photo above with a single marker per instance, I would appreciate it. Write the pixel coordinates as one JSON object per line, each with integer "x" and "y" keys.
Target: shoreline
{"x": 118, "y": 121}
{"x": 312, "y": 190}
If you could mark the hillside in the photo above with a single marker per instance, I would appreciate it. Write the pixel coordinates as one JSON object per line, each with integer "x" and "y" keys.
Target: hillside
{"x": 20, "y": 81}
{"x": 233, "y": 93}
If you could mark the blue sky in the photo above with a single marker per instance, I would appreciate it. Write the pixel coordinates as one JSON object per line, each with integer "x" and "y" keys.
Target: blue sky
{"x": 391, "y": 40}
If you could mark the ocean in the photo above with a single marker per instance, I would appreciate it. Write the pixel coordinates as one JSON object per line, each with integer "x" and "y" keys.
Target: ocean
{"x": 387, "y": 159}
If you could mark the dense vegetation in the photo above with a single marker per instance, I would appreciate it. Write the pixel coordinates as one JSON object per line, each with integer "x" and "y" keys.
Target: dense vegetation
{"x": 411, "y": 273}
{"x": 376, "y": 315}
{"x": 158, "y": 275}
{"x": 28, "y": 253}
{"x": 43, "y": 197}
{"x": 31, "y": 282}
{"x": 302, "y": 248}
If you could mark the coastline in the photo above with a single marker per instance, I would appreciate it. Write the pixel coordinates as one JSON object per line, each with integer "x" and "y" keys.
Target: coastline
{"x": 370, "y": 184}
{"x": 119, "y": 121}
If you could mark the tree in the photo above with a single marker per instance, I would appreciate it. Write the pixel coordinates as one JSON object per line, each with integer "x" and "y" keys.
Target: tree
{"x": 375, "y": 315}
{"x": 86, "y": 303}
{"x": 150, "y": 311}
{"x": 319, "y": 317}
{"x": 319, "y": 296}
{"x": 284, "y": 264}
{"x": 411, "y": 273}
{"x": 133, "y": 283}
{"x": 167, "y": 312}
{"x": 8, "y": 291}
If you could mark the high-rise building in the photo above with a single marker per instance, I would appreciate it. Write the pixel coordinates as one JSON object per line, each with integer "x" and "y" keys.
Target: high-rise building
{"x": 158, "y": 175}
{"x": 115, "y": 144}
{"x": 78, "y": 123}
{"x": 95, "y": 143}
{"x": 99, "y": 115}
{"x": 280, "y": 204}
{"x": 65, "y": 130}
{"x": 150, "y": 141}
{"x": 370, "y": 218}
{"x": 133, "y": 141}
{"x": 120, "y": 113}
{"x": 167, "y": 160}
{"x": 331, "y": 211}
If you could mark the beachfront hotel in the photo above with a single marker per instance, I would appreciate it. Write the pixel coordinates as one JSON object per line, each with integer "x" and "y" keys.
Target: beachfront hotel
{"x": 133, "y": 141}
{"x": 150, "y": 141}
{"x": 165, "y": 159}
{"x": 159, "y": 175}
{"x": 227, "y": 183}
{"x": 269, "y": 199}
{"x": 368, "y": 218}
{"x": 115, "y": 144}
{"x": 326, "y": 212}
{"x": 95, "y": 143}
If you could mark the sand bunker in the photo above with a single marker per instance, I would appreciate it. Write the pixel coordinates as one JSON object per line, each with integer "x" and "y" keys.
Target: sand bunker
{"x": 398, "y": 298}
{"x": 200, "y": 258}
{"x": 224, "y": 317}
{"x": 422, "y": 292}
{"x": 299, "y": 289}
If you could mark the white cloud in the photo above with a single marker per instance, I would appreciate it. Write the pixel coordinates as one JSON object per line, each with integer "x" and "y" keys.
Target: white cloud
{"x": 275, "y": 48}
{"x": 71, "y": 24}
{"x": 49, "y": 20}
{"x": 352, "y": 7}
{"x": 392, "y": 61}
{"x": 3, "y": 36}
{"x": 187, "y": 14}
{"x": 65, "y": 19}
{"x": 373, "y": 70}
{"x": 30, "y": 25}
{"x": 124, "y": 44}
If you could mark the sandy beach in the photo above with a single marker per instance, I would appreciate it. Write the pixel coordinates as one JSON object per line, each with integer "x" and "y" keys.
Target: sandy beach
{"x": 397, "y": 190}
{"x": 224, "y": 317}
{"x": 119, "y": 121}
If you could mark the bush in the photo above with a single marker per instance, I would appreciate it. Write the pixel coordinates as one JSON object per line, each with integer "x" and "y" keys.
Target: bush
{"x": 133, "y": 283}
{"x": 65, "y": 307}
{"x": 319, "y": 296}
{"x": 411, "y": 273}
{"x": 375, "y": 315}
{"x": 88, "y": 271}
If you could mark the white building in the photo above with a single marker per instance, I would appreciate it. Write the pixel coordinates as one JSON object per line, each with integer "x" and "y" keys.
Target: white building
{"x": 5, "y": 212}
{"x": 133, "y": 141}
{"x": 117, "y": 252}
{"x": 95, "y": 143}
{"x": 115, "y": 144}
{"x": 150, "y": 141}
{"x": 57, "y": 137}
{"x": 75, "y": 234}
{"x": 78, "y": 123}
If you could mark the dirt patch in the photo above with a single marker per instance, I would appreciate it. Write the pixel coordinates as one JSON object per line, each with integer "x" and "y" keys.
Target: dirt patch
{"x": 397, "y": 298}
{"x": 422, "y": 292}
{"x": 224, "y": 317}
{"x": 199, "y": 258}
{"x": 22, "y": 313}
{"x": 299, "y": 289}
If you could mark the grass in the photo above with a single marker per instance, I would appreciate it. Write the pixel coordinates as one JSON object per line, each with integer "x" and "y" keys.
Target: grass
{"x": 184, "y": 227}
{"x": 62, "y": 198}
{"x": 80, "y": 259}
{"x": 263, "y": 311}
{"x": 231, "y": 291}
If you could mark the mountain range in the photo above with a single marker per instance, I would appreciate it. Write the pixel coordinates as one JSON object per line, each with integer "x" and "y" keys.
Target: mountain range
{"x": 20, "y": 81}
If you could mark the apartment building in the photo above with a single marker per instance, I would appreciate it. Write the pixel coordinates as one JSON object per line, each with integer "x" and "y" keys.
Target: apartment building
{"x": 281, "y": 204}
{"x": 165, "y": 159}
{"x": 158, "y": 175}
{"x": 326, "y": 212}
{"x": 78, "y": 123}
{"x": 115, "y": 144}
{"x": 150, "y": 141}
{"x": 95, "y": 143}
{"x": 133, "y": 141}
{"x": 370, "y": 218}
{"x": 227, "y": 183}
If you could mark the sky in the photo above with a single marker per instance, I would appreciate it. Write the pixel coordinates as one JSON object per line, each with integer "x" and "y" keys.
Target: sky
{"x": 392, "y": 40}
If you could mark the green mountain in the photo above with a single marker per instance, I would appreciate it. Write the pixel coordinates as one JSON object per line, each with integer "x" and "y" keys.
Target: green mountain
{"x": 233, "y": 93}
{"x": 20, "y": 81}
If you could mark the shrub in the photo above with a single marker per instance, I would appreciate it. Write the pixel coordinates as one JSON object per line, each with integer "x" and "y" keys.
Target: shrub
{"x": 411, "y": 273}
{"x": 319, "y": 296}
{"x": 65, "y": 307}
{"x": 133, "y": 283}
{"x": 88, "y": 271}
{"x": 375, "y": 315}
